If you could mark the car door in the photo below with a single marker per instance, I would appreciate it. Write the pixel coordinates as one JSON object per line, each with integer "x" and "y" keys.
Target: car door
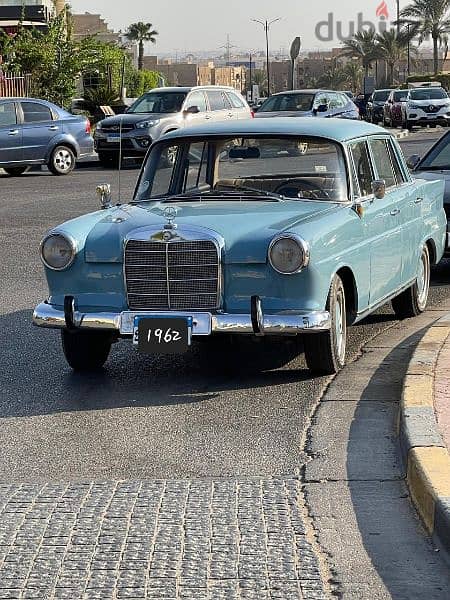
{"x": 240, "y": 109}
{"x": 11, "y": 147}
{"x": 321, "y": 99}
{"x": 39, "y": 128}
{"x": 219, "y": 106}
{"x": 197, "y": 98}
{"x": 381, "y": 218}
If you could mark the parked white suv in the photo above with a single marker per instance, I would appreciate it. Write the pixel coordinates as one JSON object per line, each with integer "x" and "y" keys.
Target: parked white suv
{"x": 162, "y": 110}
{"x": 426, "y": 106}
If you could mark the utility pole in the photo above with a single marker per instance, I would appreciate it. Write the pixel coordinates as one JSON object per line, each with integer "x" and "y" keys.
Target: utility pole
{"x": 409, "y": 53}
{"x": 228, "y": 47}
{"x": 266, "y": 24}
{"x": 251, "y": 77}
{"x": 398, "y": 18}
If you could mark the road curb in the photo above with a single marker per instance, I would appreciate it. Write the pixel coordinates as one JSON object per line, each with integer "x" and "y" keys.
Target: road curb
{"x": 424, "y": 453}
{"x": 400, "y": 135}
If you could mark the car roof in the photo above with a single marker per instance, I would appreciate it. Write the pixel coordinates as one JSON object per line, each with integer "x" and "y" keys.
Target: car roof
{"x": 308, "y": 91}
{"x": 338, "y": 130}
{"x": 186, "y": 89}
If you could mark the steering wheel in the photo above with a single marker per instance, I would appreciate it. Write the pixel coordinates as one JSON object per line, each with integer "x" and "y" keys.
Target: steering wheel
{"x": 299, "y": 188}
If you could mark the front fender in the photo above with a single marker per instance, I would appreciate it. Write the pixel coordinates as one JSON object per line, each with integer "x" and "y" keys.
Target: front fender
{"x": 62, "y": 139}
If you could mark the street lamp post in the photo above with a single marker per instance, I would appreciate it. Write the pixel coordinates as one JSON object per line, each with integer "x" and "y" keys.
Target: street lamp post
{"x": 266, "y": 24}
{"x": 251, "y": 77}
{"x": 398, "y": 17}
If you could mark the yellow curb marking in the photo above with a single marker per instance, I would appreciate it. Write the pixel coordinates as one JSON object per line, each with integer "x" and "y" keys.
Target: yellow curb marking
{"x": 418, "y": 390}
{"x": 435, "y": 335}
{"x": 428, "y": 477}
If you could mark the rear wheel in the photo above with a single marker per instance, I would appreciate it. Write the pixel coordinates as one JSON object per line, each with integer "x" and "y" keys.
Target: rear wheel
{"x": 413, "y": 301}
{"x": 15, "y": 171}
{"x": 86, "y": 350}
{"x": 325, "y": 351}
{"x": 62, "y": 161}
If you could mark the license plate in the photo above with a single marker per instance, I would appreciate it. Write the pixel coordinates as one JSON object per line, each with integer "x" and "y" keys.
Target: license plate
{"x": 113, "y": 137}
{"x": 162, "y": 335}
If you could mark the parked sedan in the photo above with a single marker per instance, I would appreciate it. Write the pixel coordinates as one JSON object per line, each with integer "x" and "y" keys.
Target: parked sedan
{"x": 35, "y": 132}
{"x": 309, "y": 103}
{"x": 375, "y": 106}
{"x": 435, "y": 166}
{"x": 239, "y": 238}
{"x": 392, "y": 115}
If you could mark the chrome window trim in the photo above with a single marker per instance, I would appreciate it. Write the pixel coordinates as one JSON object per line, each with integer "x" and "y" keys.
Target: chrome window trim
{"x": 73, "y": 244}
{"x": 301, "y": 242}
{"x": 186, "y": 233}
{"x": 367, "y": 197}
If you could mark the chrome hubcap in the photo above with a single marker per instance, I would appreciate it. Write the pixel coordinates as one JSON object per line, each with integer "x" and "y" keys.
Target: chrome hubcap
{"x": 63, "y": 160}
{"x": 423, "y": 281}
{"x": 340, "y": 328}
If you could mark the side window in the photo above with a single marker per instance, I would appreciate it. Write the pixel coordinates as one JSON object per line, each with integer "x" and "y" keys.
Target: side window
{"x": 216, "y": 100}
{"x": 197, "y": 99}
{"x": 399, "y": 176}
{"x": 36, "y": 113}
{"x": 334, "y": 101}
{"x": 8, "y": 114}
{"x": 195, "y": 167}
{"x": 363, "y": 168}
{"x": 236, "y": 102}
{"x": 382, "y": 161}
{"x": 321, "y": 99}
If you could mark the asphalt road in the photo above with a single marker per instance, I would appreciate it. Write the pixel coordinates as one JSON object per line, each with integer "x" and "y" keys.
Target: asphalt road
{"x": 142, "y": 417}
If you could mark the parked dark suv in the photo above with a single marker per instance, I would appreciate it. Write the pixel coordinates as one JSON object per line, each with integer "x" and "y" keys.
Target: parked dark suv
{"x": 34, "y": 132}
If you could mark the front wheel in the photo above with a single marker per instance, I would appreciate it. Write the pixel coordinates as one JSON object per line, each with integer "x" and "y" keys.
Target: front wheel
{"x": 413, "y": 301}
{"x": 325, "y": 351}
{"x": 62, "y": 161}
{"x": 86, "y": 350}
{"x": 15, "y": 171}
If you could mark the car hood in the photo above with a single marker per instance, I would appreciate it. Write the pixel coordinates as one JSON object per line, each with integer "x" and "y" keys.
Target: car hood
{"x": 438, "y": 102}
{"x": 283, "y": 113}
{"x": 436, "y": 175}
{"x": 247, "y": 227}
{"x": 132, "y": 119}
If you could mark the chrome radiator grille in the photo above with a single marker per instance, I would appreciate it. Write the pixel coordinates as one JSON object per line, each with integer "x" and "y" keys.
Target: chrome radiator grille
{"x": 172, "y": 276}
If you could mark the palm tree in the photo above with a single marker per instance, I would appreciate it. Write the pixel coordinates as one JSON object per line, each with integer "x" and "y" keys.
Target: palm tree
{"x": 428, "y": 18}
{"x": 393, "y": 48}
{"x": 334, "y": 78}
{"x": 353, "y": 73}
{"x": 141, "y": 32}
{"x": 363, "y": 45}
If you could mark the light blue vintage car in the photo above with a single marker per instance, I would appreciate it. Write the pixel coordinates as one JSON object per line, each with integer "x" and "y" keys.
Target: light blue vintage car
{"x": 278, "y": 227}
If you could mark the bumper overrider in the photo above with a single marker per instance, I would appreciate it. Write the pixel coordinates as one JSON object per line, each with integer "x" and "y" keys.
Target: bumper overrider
{"x": 204, "y": 323}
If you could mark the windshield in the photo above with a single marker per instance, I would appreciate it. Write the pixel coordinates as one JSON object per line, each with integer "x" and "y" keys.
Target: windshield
{"x": 288, "y": 102}
{"x": 428, "y": 94}
{"x": 399, "y": 96}
{"x": 268, "y": 168}
{"x": 439, "y": 156}
{"x": 381, "y": 96}
{"x": 158, "y": 103}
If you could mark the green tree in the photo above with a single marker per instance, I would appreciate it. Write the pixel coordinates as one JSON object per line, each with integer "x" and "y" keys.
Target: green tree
{"x": 141, "y": 32}
{"x": 428, "y": 19}
{"x": 334, "y": 78}
{"x": 353, "y": 73}
{"x": 364, "y": 46}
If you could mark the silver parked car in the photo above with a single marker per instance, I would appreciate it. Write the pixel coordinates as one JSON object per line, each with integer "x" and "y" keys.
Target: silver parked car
{"x": 162, "y": 110}
{"x": 309, "y": 103}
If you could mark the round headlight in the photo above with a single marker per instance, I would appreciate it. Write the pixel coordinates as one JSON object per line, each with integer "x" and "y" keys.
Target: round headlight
{"x": 288, "y": 254}
{"x": 57, "y": 251}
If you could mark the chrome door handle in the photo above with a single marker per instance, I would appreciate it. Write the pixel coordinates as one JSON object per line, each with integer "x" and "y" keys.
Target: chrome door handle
{"x": 207, "y": 117}
{"x": 13, "y": 132}
{"x": 395, "y": 212}
{"x": 53, "y": 128}
{"x": 418, "y": 200}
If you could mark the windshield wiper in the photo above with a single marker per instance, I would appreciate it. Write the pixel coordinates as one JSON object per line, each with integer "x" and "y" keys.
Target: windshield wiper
{"x": 230, "y": 195}
{"x": 434, "y": 168}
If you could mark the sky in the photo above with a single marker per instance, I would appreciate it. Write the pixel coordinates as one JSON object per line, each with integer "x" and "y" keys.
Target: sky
{"x": 192, "y": 25}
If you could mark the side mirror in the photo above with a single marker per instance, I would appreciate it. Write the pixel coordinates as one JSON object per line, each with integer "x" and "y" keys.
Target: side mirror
{"x": 192, "y": 110}
{"x": 379, "y": 188}
{"x": 322, "y": 108}
{"x": 413, "y": 161}
{"x": 104, "y": 194}
{"x": 255, "y": 108}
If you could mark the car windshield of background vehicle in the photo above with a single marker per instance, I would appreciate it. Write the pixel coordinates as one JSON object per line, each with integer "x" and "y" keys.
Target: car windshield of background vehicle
{"x": 158, "y": 103}
{"x": 381, "y": 96}
{"x": 428, "y": 94}
{"x": 399, "y": 96}
{"x": 288, "y": 102}
{"x": 276, "y": 168}
{"x": 439, "y": 156}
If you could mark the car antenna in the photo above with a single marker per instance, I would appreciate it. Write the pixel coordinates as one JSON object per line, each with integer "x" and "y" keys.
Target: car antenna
{"x": 120, "y": 160}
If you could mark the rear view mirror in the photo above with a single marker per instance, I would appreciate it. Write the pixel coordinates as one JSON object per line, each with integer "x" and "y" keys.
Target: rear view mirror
{"x": 245, "y": 153}
{"x": 413, "y": 161}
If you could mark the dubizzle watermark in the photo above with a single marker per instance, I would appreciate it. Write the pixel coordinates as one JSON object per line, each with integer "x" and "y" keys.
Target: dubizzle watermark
{"x": 332, "y": 30}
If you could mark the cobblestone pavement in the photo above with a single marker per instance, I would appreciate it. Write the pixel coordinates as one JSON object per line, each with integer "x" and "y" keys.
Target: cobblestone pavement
{"x": 201, "y": 539}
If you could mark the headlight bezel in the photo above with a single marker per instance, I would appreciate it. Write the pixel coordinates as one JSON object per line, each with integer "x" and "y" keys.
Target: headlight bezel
{"x": 147, "y": 124}
{"x": 303, "y": 246}
{"x": 73, "y": 250}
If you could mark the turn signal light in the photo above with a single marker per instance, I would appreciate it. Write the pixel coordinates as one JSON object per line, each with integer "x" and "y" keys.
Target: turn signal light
{"x": 88, "y": 126}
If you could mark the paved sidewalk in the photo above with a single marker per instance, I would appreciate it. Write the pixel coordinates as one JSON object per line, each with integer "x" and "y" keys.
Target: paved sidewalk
{"x": 196, "y": 540}
{"x": 442, "y": 393}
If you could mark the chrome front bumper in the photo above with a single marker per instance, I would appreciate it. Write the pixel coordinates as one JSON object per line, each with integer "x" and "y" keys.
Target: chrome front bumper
{"x": 122, "y": 323}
